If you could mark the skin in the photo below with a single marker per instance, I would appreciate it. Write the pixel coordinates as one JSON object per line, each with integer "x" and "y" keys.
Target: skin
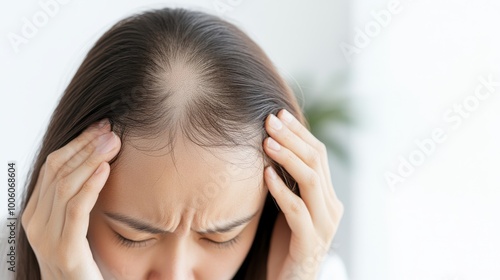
{"x": 70, "y": 200}
{"x": 203, "y": 190}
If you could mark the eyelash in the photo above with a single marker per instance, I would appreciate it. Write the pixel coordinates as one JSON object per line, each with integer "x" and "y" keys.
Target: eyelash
{"x": 129, "y": 243}
{"x": 226, "y": 244}
{"x": 132, "y": 243}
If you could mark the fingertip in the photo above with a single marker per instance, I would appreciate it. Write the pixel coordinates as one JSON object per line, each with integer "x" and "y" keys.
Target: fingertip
{"x": 100, "y": 125}
{"x": 271, "y": 173}
{"x": 286, "y": 116}
{"x": 100, "y": 177}
{"x": 101, "y": 169}
{"x": 117, "y": 139}
{"x": 274, "y": 182}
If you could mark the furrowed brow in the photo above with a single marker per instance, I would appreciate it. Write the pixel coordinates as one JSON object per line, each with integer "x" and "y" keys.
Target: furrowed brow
{"x": 145, "y": 227}
{"x": 226, "y": 227}
{"x": 135, "y": 223}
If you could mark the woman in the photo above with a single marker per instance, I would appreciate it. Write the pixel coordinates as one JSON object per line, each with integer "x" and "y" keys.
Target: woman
{"x": 168, "y": 156}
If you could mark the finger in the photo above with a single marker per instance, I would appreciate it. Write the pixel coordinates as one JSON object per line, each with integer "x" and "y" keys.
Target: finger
{"x": 309, "y": 155}
{"x": 101, "y": 149}
{"x": 308, "y": 179}
{"x": 32, "y": 204}
{"x": 295, "y": 126}
{"x": 76, "y": 219}
{"x": 292, "y": 206}
{"x": 58, "y": 158}
{"x": 300, "y": 130}
{"x": 293, "y": 142}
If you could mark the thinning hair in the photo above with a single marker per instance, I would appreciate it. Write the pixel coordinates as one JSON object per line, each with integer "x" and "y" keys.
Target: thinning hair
{"x": 169, "y": 71}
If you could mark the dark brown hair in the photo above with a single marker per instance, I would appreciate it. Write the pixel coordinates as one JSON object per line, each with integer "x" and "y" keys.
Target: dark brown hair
{"x": 128, "y": 76}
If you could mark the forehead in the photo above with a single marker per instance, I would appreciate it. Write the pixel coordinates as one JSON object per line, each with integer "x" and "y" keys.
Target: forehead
{"x": 212, "y": 182}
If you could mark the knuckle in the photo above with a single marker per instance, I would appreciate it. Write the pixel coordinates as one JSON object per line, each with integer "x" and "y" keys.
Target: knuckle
{"x": 313, "y": 157}
{"x": 87, "y": 189}
{"x": 52, "y": 161}
{"x": 312, "y": 178}
{"x": 89, "y": 148}
{"x": 32, "y": 234}
{"x": 63, "y": 171}
{"x": 287, "y": 136}
{"x": 92, "y": 162}
{"x": 27, "y": 229}
{"x": 74, "y": 210}
{"x": 297, "y": 206}
{"x": 62, "y": 187}
{"x": 80, "y": 139}
{"x": 303, "y": 130}
{"x": 283, "y": 191}
{"x": 25, "y": 220}
{"x": 321, "y": 147}
{"x": 289, "y": 156}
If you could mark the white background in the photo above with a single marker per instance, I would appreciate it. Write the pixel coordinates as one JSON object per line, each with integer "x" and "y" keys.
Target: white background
{"x": 440, "y": 223}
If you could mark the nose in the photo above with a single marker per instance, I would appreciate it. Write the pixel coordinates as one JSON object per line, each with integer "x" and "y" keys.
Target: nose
{"x": 173, "y": 261}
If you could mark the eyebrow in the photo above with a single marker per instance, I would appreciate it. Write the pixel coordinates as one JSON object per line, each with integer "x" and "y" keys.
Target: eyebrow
{"x": 145, "y": 227}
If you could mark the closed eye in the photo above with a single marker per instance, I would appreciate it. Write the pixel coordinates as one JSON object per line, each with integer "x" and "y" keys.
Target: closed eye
{"x": 129, "y": 243}
{"x": 225, "y": 244}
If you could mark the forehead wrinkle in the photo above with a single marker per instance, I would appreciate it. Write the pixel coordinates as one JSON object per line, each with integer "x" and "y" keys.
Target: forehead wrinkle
{"x": 187, "y": 220}
{"x": 184, "y": 217}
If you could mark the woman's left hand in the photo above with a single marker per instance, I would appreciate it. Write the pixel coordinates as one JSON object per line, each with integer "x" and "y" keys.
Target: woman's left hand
{"x": 314, "y": 217}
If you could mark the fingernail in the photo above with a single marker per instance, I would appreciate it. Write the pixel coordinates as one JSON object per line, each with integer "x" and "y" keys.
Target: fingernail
{"x": 99, "y": 124}
{"x": 105, "y": 143}
{"x": 272, "y": 173}
{"x": 287, "y": 116}
{"x": 102, "y": 123}
{"x": 275, "y": 122}
{"x": 271, "y": 143}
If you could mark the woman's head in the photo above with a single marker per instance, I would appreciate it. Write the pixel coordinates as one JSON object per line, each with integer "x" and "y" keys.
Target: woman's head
{"x": 194, "y": 217}
{"x": 187, "y": 93}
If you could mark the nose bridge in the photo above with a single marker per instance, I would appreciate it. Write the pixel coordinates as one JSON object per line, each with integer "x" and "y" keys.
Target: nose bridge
{"x": 173, "y": 259}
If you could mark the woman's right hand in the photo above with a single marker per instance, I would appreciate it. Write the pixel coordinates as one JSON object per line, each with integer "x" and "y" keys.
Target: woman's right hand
{"x": 56, "y": 217}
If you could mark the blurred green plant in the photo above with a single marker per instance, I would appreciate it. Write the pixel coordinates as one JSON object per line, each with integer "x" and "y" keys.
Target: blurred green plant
{"x": 325, "y": 107}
